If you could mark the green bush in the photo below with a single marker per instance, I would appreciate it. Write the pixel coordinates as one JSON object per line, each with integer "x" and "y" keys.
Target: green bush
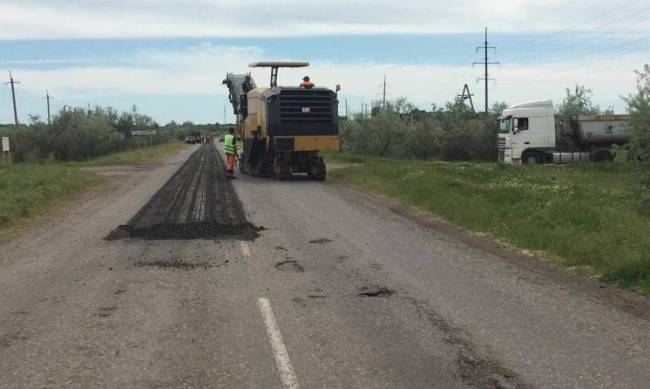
{"x": 639, "y": 108}
{"x": 451, "y": 133}
{"x": 82, "y": 133}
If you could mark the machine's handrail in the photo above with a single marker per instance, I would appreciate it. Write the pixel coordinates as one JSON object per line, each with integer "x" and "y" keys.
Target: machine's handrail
{"x": 234, "y": 83}
{"x": 279, "y": 64}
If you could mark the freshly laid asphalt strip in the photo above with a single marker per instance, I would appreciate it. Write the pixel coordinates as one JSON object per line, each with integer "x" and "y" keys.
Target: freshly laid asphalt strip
{"x": 198, "y": 202}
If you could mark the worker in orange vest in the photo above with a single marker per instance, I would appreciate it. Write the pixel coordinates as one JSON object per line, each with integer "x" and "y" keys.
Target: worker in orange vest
{"x": 230, "y": 149}
{"x": 306, "y": 83}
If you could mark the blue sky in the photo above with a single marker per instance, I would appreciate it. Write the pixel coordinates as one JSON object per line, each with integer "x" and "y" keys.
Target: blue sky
{"x": 170, "y": 60}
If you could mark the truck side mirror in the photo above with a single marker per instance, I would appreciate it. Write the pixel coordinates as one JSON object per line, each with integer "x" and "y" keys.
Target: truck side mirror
{"x": 515, "y": 126}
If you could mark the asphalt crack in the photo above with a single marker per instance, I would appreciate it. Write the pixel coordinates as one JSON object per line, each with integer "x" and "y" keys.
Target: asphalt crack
{"x": 320, "y": 241}
{"x": 376, "y": 291}
{"x": 290, "y": 266}
{"x": 471, "y": 367}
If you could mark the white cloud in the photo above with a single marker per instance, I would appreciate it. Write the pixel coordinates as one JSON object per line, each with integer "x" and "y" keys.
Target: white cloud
{"x": 199, "y": 70}
{"x": 22, "y": 19}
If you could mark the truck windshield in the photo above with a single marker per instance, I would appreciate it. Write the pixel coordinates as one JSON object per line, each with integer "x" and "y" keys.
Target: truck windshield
{"x": 504, "y": 125}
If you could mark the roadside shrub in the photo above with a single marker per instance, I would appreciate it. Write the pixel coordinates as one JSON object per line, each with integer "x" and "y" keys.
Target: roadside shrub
{"x": 576, "y": 102}
{"x": 451, "y": 133}
{"x": 80, "y": 133}
{"x": 639, "y": 108}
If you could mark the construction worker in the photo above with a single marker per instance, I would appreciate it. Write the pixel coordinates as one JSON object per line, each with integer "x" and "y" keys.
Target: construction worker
{"x": 306, "y": 83}
{"x": 230, "y": 148}
{"x": 247, "y": 85}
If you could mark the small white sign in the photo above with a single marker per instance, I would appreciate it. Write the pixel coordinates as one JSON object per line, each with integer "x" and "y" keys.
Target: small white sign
{"x": 144, "y": 132}
{"x": 306, "y": 110}
{"x": 5, "y": 144}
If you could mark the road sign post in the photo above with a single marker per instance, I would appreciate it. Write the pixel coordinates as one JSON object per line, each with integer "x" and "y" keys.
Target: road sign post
{"x": 6, "y": 150}
{"x": 141, "y": 133}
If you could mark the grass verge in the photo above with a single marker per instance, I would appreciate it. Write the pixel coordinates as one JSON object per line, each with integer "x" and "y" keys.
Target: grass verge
{"x": 30, "y": 190}
{"x": 587, "y": 217}
{"x": 135, "y": 156}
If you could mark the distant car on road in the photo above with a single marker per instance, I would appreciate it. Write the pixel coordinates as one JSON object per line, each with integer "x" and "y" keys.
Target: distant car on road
{"x": 190, "y": 140}
{"x": 221, "y": 139}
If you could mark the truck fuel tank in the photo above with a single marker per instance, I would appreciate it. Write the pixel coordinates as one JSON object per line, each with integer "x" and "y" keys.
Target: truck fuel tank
{"x": 569, "y": 157}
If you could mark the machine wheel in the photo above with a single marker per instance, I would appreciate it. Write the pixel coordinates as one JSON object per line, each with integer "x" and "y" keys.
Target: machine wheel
{"x": 602, "y": 156}
{"x": 282, "y": 170}
{"x": 532, "y": 158}
{"x": 317, "y": 170}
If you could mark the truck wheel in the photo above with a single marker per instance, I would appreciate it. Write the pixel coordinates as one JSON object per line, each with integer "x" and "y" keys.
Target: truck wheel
{"x": 532, "y": 158}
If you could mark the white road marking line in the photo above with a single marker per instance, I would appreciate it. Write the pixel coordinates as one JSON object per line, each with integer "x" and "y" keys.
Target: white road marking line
{"x": 287, "y": 375}
{"x": 245, "y": 250}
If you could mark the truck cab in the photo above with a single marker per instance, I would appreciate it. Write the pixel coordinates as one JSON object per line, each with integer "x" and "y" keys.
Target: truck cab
{"x": 526, "y": 130}
{"x": 527, "y": 135}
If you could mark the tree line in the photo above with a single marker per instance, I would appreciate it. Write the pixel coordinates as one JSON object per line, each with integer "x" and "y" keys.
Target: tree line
{"x": 456, "y": 132}
{"x": 77, "y": 133}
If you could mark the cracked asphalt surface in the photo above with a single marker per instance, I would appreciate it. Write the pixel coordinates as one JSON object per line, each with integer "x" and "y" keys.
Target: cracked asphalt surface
{"x": 363, "y": 297}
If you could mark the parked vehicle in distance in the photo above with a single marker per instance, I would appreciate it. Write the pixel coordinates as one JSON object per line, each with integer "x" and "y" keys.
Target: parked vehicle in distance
{"x": 190, "y": 140}
{"x": 222, "y": 138}
{"x": 528, "y": 131}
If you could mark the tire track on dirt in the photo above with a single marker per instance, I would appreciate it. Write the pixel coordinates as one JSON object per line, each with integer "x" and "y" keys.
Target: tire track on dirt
{"x": 198, "y": 202}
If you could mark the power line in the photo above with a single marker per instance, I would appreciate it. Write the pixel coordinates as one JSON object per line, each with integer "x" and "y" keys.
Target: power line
{"x": 560, "y": 50}
{"x": 486, "y": 63}
{"x": 12, "y": 82}
{"x": 607, "y": 14}
{"x": 566, "y": 72}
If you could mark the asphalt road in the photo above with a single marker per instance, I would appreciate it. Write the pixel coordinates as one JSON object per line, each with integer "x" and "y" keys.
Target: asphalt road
{"x": 338, "y": 291}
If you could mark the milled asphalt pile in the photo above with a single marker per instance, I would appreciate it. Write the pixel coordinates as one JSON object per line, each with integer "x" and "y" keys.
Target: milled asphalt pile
{"x": 198, "y": 202}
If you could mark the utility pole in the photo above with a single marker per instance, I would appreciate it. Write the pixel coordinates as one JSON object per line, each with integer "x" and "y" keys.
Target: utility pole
{"x": 486, "y": 63}
{"x": 12, "y": 82}
{"x": 48, "y": 98}
{"x": 224, "y": 114}
{"x": 384, "y": 94}
{"x": 466, "y": 95}
{"x": 346, "y": 108}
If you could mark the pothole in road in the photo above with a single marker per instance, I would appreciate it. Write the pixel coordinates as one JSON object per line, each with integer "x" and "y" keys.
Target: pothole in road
{"x": 290, "y": 266}
{"x": 320, "y": 241}
{"x": 484, "y": 373}
{"x": 107, "y": 311}
{"x": 376, "y": 291}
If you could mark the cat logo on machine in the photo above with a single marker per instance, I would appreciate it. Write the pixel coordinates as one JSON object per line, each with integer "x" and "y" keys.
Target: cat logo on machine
{"x": 306, "y": 110}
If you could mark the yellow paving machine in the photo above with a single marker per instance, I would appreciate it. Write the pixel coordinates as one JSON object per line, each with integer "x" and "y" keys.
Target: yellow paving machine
{"x": 283, "y": 128}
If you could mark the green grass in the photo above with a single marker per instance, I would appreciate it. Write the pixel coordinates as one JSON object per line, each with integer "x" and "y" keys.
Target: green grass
{"x": 135, "y": 156}
{"x": 587, "y": 217}
{"x": 28, "y": 191}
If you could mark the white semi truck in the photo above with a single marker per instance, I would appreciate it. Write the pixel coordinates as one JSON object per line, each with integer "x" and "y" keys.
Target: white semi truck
{"x": 527, "y": 134}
